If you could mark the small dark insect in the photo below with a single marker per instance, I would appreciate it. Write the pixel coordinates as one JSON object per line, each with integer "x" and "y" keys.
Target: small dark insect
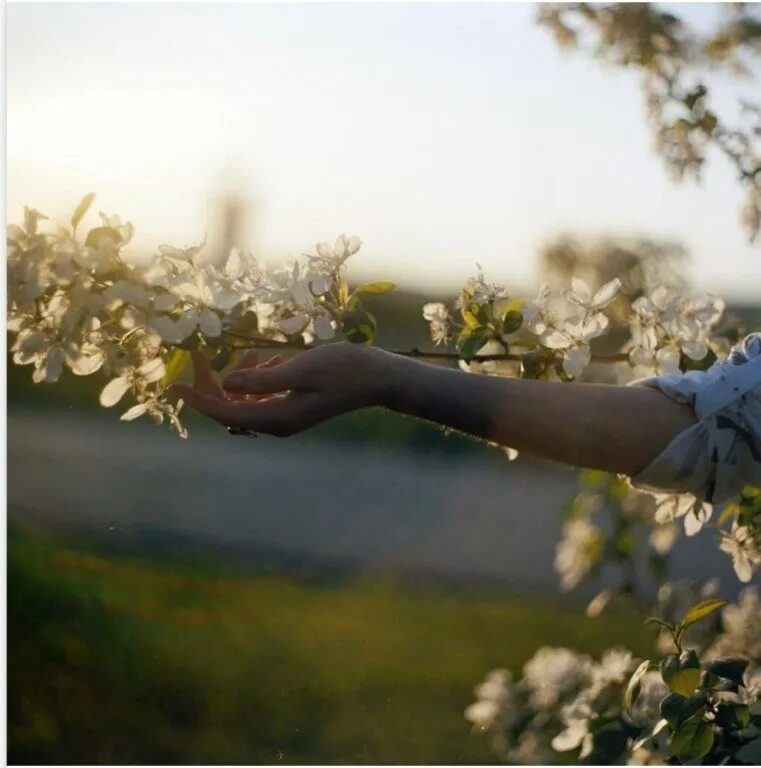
{"x": 242, "y": 431}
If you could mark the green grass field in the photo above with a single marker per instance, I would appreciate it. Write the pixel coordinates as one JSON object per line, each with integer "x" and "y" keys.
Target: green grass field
{"x": 118, "y": 659}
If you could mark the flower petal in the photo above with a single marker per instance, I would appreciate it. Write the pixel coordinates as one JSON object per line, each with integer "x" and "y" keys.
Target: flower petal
{"x": 606, "y": 294}
{"x": 595, "y": 326}
{"x": 165, "y": 302}
{"x": 668, "y": 359}
{"x": 323, "y": 327}
{"x": 554, "y": 339}
{"x": 135, "y": 411}
{"x": 579, "y": 293}
{"x": 576, "y": 360}
{"x": 153, "y": 370}
{"x": 570, "y": 738}
{"x": 113, "y": 392}
{"x": 291, "y": 325}
{"x": 166, "y": 328}
{"x": 695, "y": 350}
{"x": 210, "y": 324}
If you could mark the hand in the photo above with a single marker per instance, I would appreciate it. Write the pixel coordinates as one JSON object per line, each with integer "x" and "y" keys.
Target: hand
{"x": 283, "y": 398}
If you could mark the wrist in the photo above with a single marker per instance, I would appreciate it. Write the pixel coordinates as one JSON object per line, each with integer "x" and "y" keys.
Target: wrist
{"x": 381, "y": 379}
{"x": 397, "y": 382}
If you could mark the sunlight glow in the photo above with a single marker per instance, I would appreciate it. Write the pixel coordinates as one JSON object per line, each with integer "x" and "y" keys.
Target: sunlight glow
{"x": 354, "y": 118}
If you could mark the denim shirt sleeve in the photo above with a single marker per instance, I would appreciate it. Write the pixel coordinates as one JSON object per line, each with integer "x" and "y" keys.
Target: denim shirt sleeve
{"x": 715, "y": 457}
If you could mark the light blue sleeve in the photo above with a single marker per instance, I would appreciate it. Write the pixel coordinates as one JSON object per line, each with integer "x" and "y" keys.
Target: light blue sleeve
{"x": 718, "y": 455}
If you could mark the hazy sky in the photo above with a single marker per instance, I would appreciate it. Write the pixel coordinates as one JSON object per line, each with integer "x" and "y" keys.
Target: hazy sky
{"x": 443, "y": 135}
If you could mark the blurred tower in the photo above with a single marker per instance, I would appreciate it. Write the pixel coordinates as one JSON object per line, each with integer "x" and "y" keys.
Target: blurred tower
{"x": 232, "y": 212}
{"x": 234, "y": 215}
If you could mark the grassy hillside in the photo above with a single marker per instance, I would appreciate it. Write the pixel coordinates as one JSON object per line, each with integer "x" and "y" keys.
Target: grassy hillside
{"x": 114, "y": 659}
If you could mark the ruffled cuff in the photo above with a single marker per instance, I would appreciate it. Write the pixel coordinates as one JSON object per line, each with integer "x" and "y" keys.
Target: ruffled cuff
{"x": 715, "y": 457}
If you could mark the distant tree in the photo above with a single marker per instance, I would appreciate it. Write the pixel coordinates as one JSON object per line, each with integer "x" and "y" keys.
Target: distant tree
{"x": 680, "y": 67}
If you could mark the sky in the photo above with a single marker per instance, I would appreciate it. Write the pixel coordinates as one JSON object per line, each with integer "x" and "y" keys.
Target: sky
{"x": 444, "y": 135}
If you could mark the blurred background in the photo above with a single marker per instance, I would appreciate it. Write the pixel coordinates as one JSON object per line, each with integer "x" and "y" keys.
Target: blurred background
{"x": 332, "y": 598}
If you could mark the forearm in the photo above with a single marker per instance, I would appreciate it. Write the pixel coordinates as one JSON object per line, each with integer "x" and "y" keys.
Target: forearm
{"x": 612, "y": 428}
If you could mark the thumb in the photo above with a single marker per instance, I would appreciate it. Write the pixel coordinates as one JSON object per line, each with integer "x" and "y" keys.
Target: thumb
{"x": 263, "y": 381}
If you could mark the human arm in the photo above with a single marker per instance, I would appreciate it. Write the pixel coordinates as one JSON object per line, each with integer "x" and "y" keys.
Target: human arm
{"x": 612, "y": 428}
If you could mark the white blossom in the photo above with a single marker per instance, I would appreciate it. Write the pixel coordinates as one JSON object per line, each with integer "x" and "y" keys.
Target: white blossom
{"x": 665, "y": 326}
{"x": 741, "y": 545}
{"x": 573, "y": 335}
{"x": 536, "y": 312}
{"x": 577, "y": 717}
{"x": 580, "y": 294}
{"x": 670, "y": 507}
{"x": 149, "y": 372}
{"x": 158, "y": 409}
{"x": 494, "y": 696}
{"x": 742, "y": 628}
{"x": 663, "y": 536}
{"x": 577, "y": 552}
{"x": 477, "y": 291}
{"x": 570, "y": 330}
{"x": 553, "y": 673}
{"x": 331, "y": 258}
{"x": 303, "y": 310}
{"x": 440, "y": 320}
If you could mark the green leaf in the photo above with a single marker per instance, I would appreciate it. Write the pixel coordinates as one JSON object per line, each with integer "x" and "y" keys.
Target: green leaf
{"x": 511, "y": 322}
{"x": 503, "y": 306}
{"x": 470, "y": 345}
{"x": 483, "y": 313}
{"x": 470, "y": 316}
{"x": 175, "y": 365}
{"x": 246, "y": 325}
{"x": 533, "y": 365}
{"x": 221, "y": 359}
{"x": 81, "y": 209}
{"x": 730, "y": 668}
{"x": 693, "y": 739}
{"x": 732, "y": 716}
{"x": 692, "y": 98}
{"x": 557, "y": 366}
{"x": 729, "y": 512}
{"x": 701, "y": 610}
{"x": 359, "y": 326}
{"x": 681, "y": 673}
{"x": 377, "y": 286}
{"x": 635, "y": 684}
{"x": 710, "y": 121}
{"x": 675, "y": 709}
{"x": 624, "y": 542}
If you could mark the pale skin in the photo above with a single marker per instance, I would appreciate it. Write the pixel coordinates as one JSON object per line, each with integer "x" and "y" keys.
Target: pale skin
{"x": 612, "y": 428}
